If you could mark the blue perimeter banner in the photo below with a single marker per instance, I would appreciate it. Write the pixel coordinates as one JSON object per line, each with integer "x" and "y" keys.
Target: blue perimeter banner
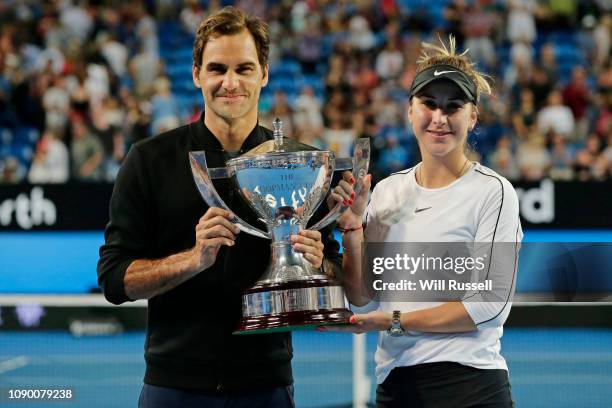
{"x": 65, "y": 262}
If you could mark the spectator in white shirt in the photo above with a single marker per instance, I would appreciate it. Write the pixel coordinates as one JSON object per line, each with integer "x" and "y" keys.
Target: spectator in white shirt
{"x": 556, "y": 116}
{"x": 390, "y": 62}
{"x": 51, "y": 160}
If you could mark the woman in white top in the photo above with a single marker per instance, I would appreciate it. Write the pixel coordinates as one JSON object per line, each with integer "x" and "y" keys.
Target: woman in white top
{"x": 445, "y": 353}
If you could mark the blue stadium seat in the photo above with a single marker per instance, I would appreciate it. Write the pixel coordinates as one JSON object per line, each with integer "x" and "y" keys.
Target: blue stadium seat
{"x": 283, "y": 83}
{"x": 178, "y": 71}
{"x": 503, "y": 55}
{"x": 562, "y": 38}
{"x": 168, "y": 27}
{"x": 25, "y": 136}
{"x": 265, "y": 101}
{"x": 187, "y": 101}
{"x": 567, "y": 50}
{"x": 6, "y": 137}
{"x": 183, "y": 85}
{"x": 169, "y": 41}
{"x": 22, "y": 152}
{"x": 316, "y": 82}
{"x": 565, "y": 72}
{"x": 327, "y": 45}
{"x": 380, "y": 38}
{"x": 406, "y": 6}
{"x": 183, "y": 53}
{"x": 4, "y": 151}
{"x": 286, "y": 68}
{"x": 436, "y": 11}
{"x": 486, "y": 137}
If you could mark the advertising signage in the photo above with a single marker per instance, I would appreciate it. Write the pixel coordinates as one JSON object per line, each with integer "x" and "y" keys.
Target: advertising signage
{"x": 60, "y": 207}
{"x": 66, "y": 207}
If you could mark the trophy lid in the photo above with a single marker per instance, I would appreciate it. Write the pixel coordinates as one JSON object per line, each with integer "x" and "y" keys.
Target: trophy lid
{"x": 279, "y": 144}
{"x": 287, "y": 146}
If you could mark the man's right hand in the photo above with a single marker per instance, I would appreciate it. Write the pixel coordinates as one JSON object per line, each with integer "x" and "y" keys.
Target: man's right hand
{"x": 213, "y": 230}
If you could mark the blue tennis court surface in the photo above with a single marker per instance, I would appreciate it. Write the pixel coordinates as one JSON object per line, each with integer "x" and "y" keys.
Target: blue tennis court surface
{"x": 548, "y": 367}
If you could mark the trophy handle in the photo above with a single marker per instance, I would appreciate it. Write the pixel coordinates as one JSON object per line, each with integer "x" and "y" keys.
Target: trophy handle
{"x": 361, "y": 162}
{"x": 197, "y": 160}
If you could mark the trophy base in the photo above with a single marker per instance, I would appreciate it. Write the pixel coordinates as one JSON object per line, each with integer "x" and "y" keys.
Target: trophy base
{"x": 303, "y": 320}
{"x": 294, "y": 305}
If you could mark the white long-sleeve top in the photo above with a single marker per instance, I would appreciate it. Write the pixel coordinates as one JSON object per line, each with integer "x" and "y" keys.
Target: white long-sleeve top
{"x": 479, "y": 207}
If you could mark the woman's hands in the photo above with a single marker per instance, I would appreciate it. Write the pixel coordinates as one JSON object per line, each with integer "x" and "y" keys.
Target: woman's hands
{"x": 344, "y": 193}
{"x": 363, "y": 323}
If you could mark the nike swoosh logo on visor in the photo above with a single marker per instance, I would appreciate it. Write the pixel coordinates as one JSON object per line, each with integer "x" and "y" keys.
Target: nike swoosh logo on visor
{"x": 436, "y": 73}
{"x": 418, "y": 210}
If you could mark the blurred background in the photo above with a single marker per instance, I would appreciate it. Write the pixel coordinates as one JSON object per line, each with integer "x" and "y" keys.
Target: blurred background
{"x": 81, "y": 81}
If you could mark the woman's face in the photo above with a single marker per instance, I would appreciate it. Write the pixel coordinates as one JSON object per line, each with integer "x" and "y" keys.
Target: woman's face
{"x": 441, "y": 116}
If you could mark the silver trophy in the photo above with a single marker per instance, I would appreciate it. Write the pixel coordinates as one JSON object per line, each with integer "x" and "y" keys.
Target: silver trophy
{"x": 284, "y": 182}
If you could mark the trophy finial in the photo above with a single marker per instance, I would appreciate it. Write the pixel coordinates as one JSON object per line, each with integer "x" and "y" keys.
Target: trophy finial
{"x": 278, "y": 133}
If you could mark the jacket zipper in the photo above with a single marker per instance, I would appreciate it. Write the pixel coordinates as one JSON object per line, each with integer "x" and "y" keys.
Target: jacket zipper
{"x": 229, "y": 203}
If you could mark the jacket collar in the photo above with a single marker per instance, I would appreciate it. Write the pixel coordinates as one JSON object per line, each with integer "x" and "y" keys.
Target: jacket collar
{"x": 204, "y": 139}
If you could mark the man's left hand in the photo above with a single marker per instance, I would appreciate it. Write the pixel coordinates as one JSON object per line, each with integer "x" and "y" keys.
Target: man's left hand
{"x": 309, "y": 243}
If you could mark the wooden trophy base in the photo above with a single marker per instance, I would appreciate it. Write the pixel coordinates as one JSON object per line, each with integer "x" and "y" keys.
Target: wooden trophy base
{"x": 293, "y": 321}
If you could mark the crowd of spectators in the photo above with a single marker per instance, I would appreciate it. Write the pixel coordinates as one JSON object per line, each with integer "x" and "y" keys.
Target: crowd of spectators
{"x": 80, "y": 81}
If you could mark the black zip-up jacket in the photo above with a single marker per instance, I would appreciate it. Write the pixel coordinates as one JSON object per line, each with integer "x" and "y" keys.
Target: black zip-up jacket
{"x": 154, "y": 209}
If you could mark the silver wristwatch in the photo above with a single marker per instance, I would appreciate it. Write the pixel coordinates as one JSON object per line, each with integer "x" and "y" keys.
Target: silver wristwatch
{"x": 396, "y": 328}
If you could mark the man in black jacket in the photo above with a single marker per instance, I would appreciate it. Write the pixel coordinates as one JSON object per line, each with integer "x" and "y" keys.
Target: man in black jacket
{"x": 191, "y": 267}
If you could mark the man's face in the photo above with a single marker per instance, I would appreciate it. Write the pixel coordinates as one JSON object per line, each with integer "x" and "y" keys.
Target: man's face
{"x": 230, "y": 77}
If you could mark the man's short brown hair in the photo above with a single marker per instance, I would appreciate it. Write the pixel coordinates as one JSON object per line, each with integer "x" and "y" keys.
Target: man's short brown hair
{"x": 228, "y": 21}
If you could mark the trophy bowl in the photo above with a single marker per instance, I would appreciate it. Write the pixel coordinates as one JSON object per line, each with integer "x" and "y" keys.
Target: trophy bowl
{"x": 284, "y": 182}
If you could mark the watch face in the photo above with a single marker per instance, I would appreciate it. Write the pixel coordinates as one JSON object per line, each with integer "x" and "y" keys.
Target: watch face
{"x": 396, "y": 328}
{"x": 396, "y": 332}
